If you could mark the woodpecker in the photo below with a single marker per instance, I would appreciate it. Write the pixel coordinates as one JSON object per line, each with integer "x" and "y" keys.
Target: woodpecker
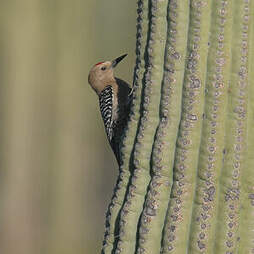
{"x": 115, "y": 97}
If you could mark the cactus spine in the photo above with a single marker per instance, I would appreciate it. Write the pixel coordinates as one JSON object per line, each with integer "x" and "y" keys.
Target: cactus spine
{"x": 186, "y": 182}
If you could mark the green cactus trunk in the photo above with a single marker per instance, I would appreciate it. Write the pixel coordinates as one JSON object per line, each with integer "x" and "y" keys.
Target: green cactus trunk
{"x": 186, "y": 182}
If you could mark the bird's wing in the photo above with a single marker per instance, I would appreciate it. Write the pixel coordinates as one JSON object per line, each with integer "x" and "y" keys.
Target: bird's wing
{"x": 106, "y": 106}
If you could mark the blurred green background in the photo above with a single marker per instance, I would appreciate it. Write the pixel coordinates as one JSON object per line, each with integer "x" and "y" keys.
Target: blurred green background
{"x": 57, "y": 170}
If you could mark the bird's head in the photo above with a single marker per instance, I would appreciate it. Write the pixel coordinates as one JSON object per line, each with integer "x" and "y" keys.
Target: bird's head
{"x": 101, "y": 74}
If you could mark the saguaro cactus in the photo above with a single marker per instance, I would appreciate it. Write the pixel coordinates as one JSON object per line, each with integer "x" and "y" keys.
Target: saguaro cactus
{"x": 186, "y": 182}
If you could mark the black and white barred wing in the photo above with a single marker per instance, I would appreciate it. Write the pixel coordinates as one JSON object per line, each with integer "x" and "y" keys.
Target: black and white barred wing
{"x": 106, "y": 107}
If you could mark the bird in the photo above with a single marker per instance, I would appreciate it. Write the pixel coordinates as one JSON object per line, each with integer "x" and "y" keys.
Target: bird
{"x": 115, "y": 97}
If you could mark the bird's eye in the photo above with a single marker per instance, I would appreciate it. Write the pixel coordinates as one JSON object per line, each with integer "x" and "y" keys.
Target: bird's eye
{"x": 103, "y": 68}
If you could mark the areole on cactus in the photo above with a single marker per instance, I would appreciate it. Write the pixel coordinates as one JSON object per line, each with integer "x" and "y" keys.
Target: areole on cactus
{"x": 186, "y": 182}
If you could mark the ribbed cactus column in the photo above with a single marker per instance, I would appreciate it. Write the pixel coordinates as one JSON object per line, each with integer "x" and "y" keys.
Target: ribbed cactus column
{"x": 186, "y": 182}
{"x": 233, "y": 200}
{"x": 149, "y": 120}
{"x": 177, "y": 228}
{"x": 112, "y": 218}
{"x": 212, "y": 150}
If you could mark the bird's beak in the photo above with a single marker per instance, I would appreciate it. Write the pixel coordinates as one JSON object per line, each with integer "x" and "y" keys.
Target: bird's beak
{"x": 118, "y": 60}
